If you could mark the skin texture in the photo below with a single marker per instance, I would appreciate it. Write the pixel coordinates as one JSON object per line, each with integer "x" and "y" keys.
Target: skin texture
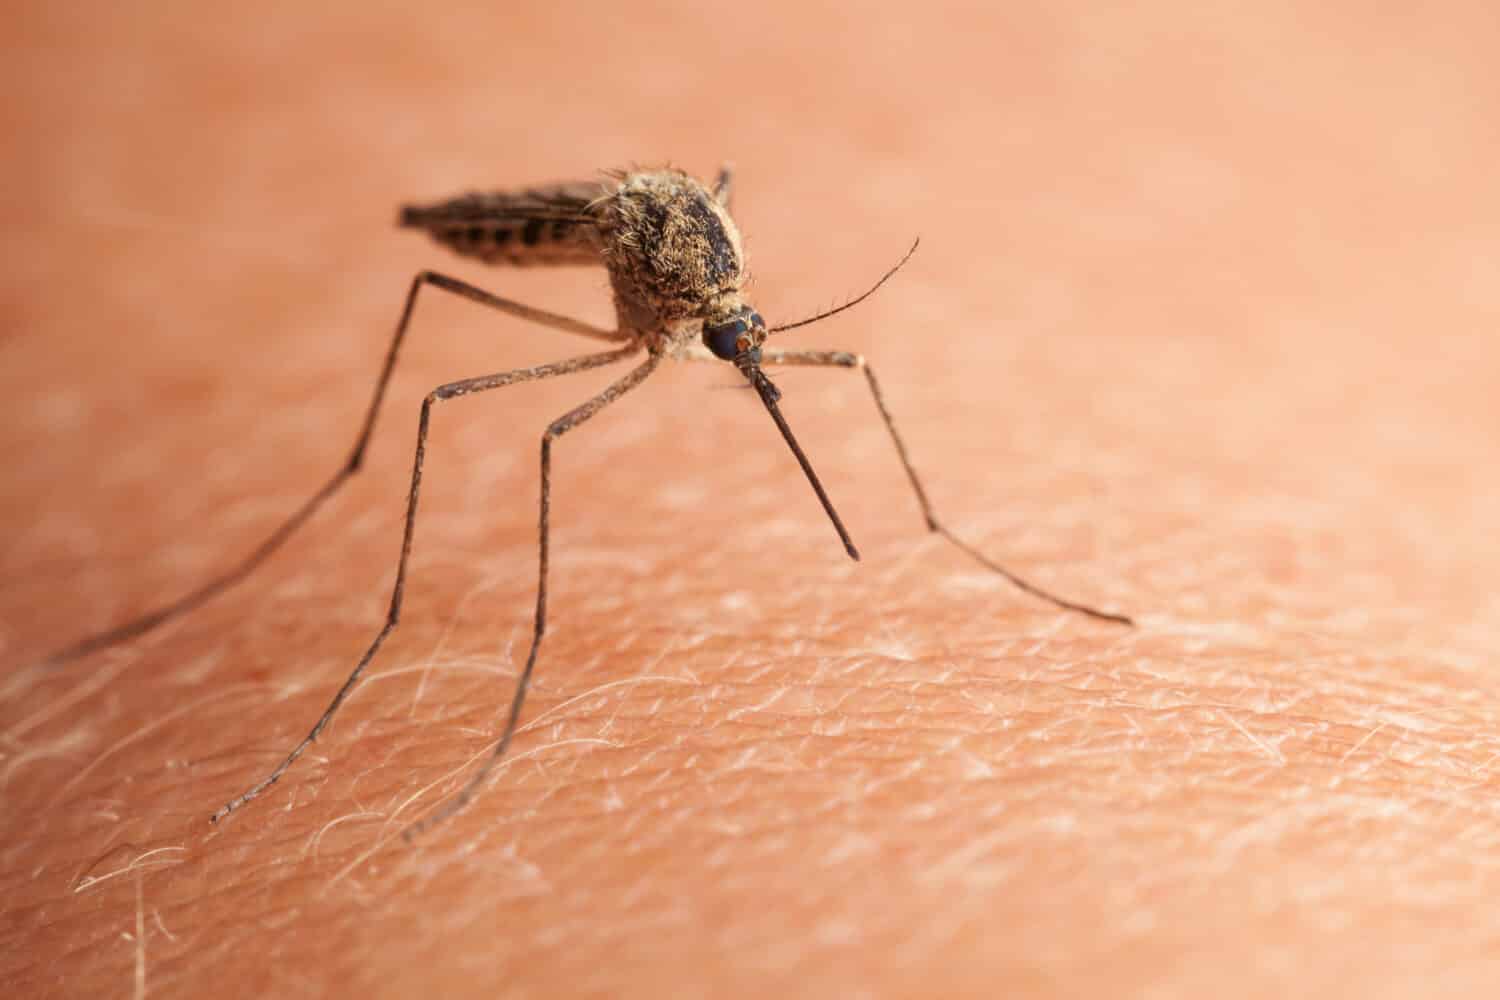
{"x": 1202, "y": 329}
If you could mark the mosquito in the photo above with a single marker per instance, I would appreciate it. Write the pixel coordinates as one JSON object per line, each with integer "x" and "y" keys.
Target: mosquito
{"x": 676, "y": 267}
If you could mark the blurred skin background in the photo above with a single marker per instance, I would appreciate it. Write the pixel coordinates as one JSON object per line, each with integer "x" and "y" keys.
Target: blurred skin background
{"x": 1201, "y": 328}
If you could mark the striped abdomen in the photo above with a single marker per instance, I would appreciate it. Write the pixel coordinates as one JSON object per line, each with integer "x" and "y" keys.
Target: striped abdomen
{"x": 540, "y": 226}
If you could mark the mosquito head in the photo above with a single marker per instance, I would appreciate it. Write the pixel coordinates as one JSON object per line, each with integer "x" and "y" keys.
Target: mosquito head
{"x": 736, "y": 331}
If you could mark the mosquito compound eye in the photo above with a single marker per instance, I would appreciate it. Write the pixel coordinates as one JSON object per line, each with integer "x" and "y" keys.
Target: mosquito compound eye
{"x": 755, "y": 321}
{"x": 722, "y": 338}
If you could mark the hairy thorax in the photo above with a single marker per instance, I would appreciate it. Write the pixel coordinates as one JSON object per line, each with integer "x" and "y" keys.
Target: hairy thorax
{"x": 674, "y": 256}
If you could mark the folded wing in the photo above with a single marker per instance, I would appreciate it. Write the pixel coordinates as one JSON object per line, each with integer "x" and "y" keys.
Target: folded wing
{"x": 543, "y": 226}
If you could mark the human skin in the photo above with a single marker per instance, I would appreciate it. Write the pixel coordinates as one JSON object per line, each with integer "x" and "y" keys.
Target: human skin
{"x": 1201, "y": 330}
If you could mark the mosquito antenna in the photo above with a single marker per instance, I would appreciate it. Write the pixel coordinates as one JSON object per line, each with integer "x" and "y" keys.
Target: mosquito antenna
{"x": 854, "y": 301}
{"x": 769, "y": 394}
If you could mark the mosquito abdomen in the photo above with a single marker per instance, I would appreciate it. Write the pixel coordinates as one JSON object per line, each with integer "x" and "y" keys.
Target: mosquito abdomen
{"x": 537, "y": 227}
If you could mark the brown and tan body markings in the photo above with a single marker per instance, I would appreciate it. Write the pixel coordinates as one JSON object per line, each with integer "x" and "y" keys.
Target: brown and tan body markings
{"x": 673, "y": 252}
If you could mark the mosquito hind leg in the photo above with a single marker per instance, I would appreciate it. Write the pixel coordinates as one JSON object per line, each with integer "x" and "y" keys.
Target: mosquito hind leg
{"x": 393, "y": 614}
{"x": 846, "y": 359}
{"x": 555, "y": 430}
{"x": 224, "y": 581}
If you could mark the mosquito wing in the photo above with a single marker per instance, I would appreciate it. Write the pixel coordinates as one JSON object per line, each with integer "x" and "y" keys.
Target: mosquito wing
{"x": 553, "y": 225}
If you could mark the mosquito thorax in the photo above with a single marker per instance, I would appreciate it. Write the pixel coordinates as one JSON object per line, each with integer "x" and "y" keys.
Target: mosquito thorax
{"x": 671, "y": 248}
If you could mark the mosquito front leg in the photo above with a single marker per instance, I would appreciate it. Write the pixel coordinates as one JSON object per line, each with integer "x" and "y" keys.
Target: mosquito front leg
{"x": 236, "y": 573}
{"x": 555, "y": 430}
{"x": 393, "y": 615}
{"x": 845, "y": 359}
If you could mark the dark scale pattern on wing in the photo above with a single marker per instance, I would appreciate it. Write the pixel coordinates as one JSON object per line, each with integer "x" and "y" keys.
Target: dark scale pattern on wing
{"x": 548, "y": 225}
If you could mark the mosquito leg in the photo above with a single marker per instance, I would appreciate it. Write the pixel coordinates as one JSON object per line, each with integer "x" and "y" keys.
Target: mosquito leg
{"x": 555, "y": 430}
{"x": 235, "y": 574}
{"x": 724, "y": 185}
{"x": 393, "y": 615}
{"x": 844, "y": 359}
